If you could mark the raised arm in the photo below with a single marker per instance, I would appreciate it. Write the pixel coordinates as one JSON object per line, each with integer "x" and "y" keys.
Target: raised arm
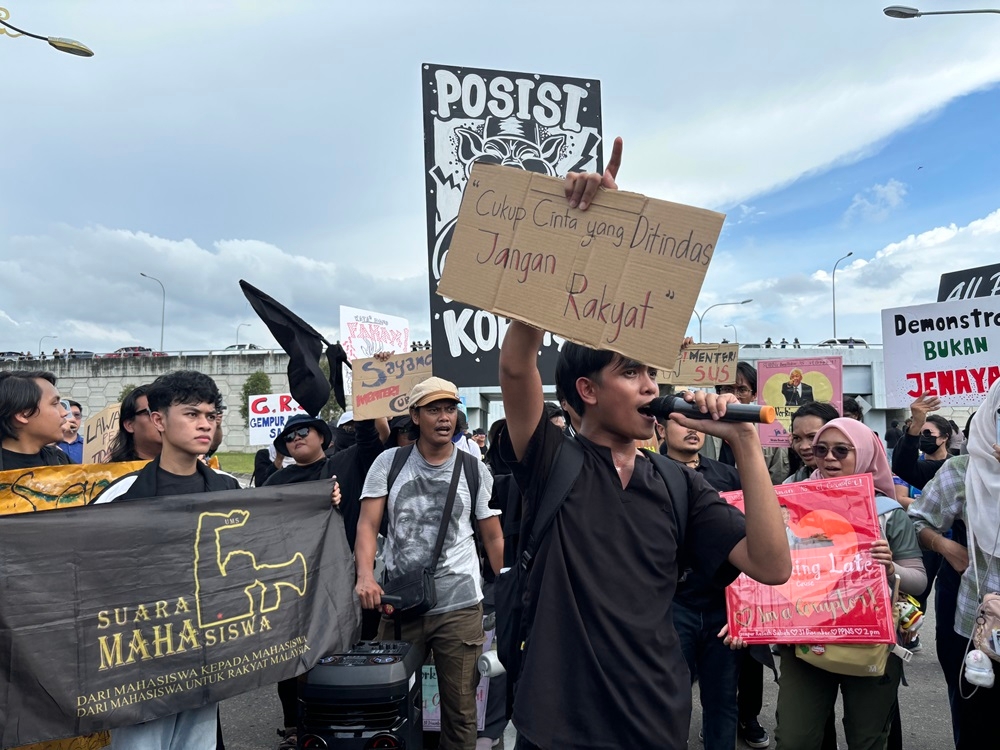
{"x": 520, "y": 381}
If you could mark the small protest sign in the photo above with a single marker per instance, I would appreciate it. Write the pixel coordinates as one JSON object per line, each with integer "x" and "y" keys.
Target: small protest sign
{"x": 837, "y": 592}
{"x": 702, "y": 365}
{"x": 787, "y": 384}
{"x": 364, "y": 333}
{"x": 381, "y": 389}
{"x": 948, "y": 349}
{"x": 268, "y": 412}
{"x": 51, "y": 487}
{"x": 623, "y": 275}
{"x": 99, "y": 432}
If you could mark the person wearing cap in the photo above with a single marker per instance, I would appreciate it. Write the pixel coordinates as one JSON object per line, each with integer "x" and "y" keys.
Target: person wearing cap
{"x": 453, "y": 629}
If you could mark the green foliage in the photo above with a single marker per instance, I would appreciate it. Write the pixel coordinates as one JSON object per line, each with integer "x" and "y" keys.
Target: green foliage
{"x": 332, "y": 410}
{"x": 126, "y": 389}
{"x": 256, "y": 383}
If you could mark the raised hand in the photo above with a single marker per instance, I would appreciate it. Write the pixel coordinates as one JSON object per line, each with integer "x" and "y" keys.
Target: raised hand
{"x": 581, "y": 187}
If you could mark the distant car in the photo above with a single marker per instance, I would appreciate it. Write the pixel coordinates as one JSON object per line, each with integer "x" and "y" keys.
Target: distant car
{"x": 849, "y": 343}
{"x": 241, "y": 349}
{"x": 81, "y": 355}
{"x": 134, "y": 351}
{"x": 10, "y": 357}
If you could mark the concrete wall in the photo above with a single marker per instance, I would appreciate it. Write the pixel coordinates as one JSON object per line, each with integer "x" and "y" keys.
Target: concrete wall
{"x": 95, "y": 383}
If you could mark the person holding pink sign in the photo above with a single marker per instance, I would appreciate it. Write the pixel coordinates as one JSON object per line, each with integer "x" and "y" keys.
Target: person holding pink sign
{"x": 807, "y": 694}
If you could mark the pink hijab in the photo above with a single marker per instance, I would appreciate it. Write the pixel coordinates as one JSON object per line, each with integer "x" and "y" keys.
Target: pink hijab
{"x": 870, "y": 456}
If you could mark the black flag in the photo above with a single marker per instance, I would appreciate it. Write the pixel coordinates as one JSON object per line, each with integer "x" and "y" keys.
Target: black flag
{"x": 303, "y": 345}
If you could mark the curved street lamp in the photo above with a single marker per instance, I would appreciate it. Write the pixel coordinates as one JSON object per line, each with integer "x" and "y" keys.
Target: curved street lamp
{"x": 717, "y": 304}
{"x": 835, "y": 292}
{"x": 50, "y": 336}
{"x": 163, "y": 306}
{"x": 238, "y": 332}
{"x": 902, "y": 11}
{"x": 71, "y": 46}
{"x": 736, "y": 335}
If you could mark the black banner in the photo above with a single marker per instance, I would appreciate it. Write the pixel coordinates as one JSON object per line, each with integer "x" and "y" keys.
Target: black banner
{"x": 969, "y": 283}
{"x": 115, "y": 614}
{"x": 545, "y": 124}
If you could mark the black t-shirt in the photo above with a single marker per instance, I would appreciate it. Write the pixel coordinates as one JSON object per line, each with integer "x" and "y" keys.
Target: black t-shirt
{"x": 603, "y": 668}
{"x": 45, "y": 457}
{"x": 175, "y": 484}
{"x": 696, "y": 591}
{"x": 295, "y": 473}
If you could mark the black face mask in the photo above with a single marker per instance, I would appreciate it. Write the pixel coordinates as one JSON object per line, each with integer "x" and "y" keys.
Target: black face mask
{"x": 928, "y": 444}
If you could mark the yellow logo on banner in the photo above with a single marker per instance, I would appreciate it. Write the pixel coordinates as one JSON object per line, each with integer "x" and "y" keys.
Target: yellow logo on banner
{"x": 216, "y": 567}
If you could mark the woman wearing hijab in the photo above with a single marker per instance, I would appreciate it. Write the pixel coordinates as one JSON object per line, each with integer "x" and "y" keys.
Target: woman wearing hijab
{"x": 966, "y": 490}
{"x": 807, "y": 694}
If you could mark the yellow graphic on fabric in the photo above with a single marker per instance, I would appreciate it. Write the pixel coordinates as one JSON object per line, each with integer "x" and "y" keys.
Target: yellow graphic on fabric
{"x": 51, "y": 487}
{"x": 90, "y": 742}
{"x": 230, "y": 584}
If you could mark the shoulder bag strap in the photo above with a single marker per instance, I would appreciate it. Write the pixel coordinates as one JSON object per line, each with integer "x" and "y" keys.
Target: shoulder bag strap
{"x": 399, "y": 459}
{"x": 565, "y": 470}
{"x": 446, "y": 514}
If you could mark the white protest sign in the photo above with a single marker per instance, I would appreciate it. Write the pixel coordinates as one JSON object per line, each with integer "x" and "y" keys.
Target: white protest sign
{"x": 268, "y": 413}
{"x": 364, "y": 333}
{"x": 949, "y": 349}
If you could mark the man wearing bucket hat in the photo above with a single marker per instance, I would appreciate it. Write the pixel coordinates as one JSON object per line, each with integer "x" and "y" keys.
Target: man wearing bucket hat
{"x": 415, "y": 502}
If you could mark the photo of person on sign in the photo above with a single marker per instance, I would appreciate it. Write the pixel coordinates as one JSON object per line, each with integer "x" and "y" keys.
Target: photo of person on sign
{"x": 796, "y": 542}
{"x": 795, "y": 391}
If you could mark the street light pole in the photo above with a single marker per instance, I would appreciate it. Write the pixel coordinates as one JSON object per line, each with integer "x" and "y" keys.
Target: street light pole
{"x": 717, "y": 304}
{"x": 163, "y": 306}
{"x": 71, "y": 46}
{"x": 238, "y": 332}
{"x": 835, "y": 292}
{"x": 902, "y": 11}
{"x": 50, "y": 336}
{"x": 736, "y": 335}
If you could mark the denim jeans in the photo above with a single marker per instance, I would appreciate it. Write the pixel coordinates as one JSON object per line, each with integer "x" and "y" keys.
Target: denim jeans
{"x": 195, "y": 729}
{"x": 716, "y": 667}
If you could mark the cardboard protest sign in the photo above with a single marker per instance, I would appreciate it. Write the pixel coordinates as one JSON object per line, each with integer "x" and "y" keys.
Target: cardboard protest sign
{"x": 268, "y": 413}
{"x": 702, "y": 365}
{"x": 623, "y": 275}
{"x": 99, "y": 433}
{"x": 837, "y": 593}
{"x": 968, "y": 283}
{"x": 787, "y": 384}
{"x": 537, "y": 122}
{"x": 219, "y": 604}
{"x": 364, "y": 333}
{"x": 381, "y": 389}
{"x": 949, "y": 349}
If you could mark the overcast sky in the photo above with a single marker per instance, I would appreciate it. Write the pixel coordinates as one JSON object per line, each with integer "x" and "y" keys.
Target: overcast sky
{"x": 282, "y": 143}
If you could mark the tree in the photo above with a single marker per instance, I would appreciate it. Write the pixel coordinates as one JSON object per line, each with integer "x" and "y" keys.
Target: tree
{"x": 256, "y": 383}
{"x": 332, "y": 411}
{"x": 126, "y": 389}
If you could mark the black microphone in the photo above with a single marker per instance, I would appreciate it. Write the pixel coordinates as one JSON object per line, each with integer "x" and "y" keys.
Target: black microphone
{"x": 663, "y": 407}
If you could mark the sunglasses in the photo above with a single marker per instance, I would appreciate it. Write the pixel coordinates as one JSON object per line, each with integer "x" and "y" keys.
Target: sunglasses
{"x": 301, "y": 432}
{"x": 145, "y": 411}
{"x": 929, "y": 434}
{"x": 840, "y": 452}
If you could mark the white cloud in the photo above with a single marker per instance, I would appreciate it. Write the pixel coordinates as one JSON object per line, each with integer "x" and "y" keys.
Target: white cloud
{"x": 875, "y": 203}
{"x": 5, "y": 317}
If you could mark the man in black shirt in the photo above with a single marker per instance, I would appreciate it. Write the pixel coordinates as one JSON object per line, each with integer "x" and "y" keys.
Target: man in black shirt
{"x": 700, "y": 607}
{"x": 603, "y": 666}
{"x": 183, "y": 408}
{"x": 31, "y": 417}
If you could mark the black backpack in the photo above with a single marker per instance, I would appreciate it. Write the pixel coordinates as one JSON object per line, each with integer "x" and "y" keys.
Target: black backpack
{"x": 515, "y": 610}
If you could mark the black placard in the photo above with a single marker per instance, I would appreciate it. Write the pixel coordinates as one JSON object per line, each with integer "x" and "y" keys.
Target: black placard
{"x": 969, "y": 283}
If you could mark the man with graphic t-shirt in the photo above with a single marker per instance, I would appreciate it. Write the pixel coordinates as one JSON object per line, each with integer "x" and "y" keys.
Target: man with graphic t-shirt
{"x": 31, "y": 417}
{"x": 415, "y": 503}
{"x": 183, "y": 407}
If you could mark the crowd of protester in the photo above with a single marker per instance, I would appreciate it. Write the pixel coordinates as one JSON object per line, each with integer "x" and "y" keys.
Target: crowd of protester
{"x": 624, "y": 595}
